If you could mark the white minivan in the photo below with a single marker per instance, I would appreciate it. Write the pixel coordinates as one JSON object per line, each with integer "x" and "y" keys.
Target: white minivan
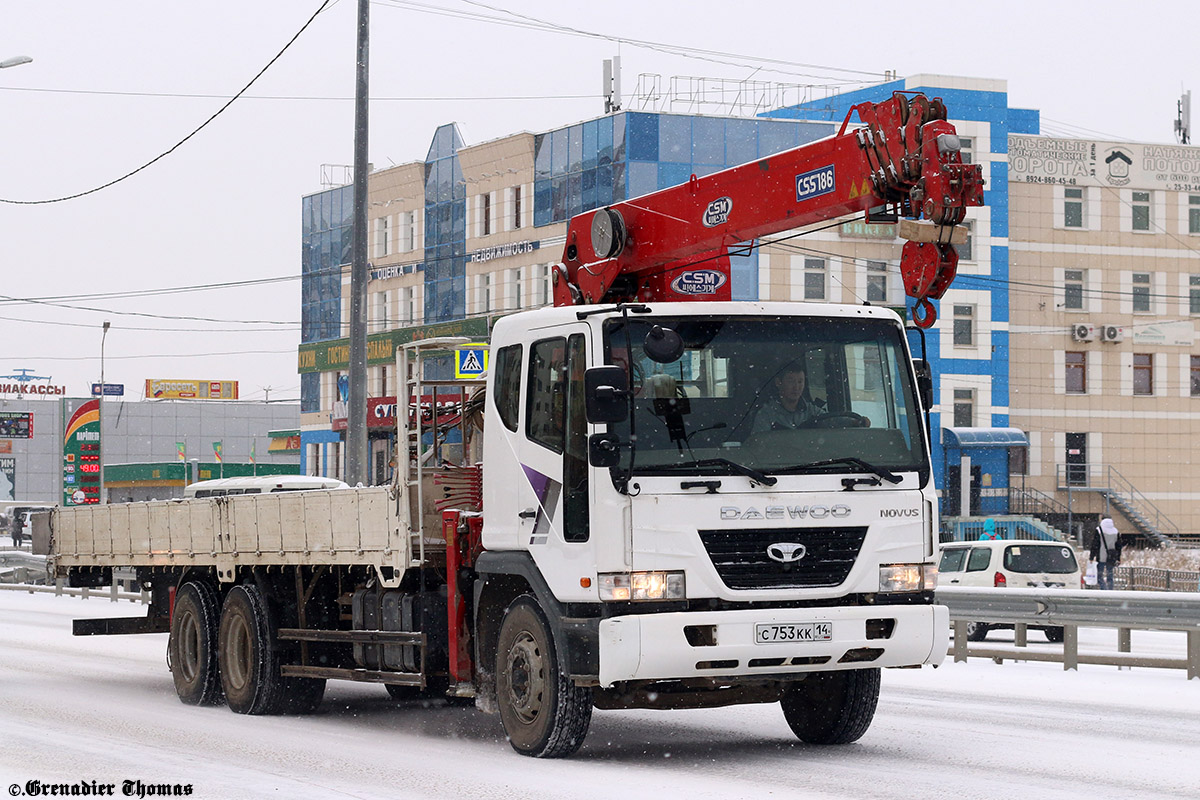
{"x": 1004, "y": 563}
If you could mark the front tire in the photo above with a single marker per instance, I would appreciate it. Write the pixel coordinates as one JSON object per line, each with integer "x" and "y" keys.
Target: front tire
{"x": 544, "y": 714}
{"x": 193, "y": 644}
{"x": 832, "y": 707}
{"x": 977, "y": 631}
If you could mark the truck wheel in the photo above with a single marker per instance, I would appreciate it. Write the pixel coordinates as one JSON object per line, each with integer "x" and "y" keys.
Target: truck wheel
{"x": 193, "y": 644}
{"x": 832, "y": 707}
{"x": 977, "y": 631}
{"x": 544, "y": 714}
{"x": 249, "y": 663}
{"x": 1053, "y": 634}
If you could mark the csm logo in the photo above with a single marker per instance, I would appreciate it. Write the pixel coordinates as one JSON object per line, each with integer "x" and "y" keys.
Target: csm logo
{"x": 699, "y": 281}
{"x": 785, "y": 512}
{"x": 899, "y": 512}
{"x": 717, "y": 212}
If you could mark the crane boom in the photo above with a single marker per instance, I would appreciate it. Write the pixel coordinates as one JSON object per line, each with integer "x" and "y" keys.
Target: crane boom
{"x": 674, "y": 244}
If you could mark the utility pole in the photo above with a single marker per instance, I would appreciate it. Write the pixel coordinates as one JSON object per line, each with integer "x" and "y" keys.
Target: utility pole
{"x": 356, "y": 413}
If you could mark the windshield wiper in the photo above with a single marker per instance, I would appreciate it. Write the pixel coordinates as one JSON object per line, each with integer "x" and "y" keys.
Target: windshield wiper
{"x": 740, "y": 469}
{"x": 890, "y": 477}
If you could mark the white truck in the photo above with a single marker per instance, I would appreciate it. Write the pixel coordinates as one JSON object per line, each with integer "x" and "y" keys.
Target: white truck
{"x": 626, "y": 531}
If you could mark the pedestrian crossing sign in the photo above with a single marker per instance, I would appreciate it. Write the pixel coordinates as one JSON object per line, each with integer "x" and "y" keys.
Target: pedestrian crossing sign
{"x": 470, "y": 361}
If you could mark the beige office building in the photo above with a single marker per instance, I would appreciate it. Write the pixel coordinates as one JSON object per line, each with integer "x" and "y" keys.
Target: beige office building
{"x": 1104, "y": 298}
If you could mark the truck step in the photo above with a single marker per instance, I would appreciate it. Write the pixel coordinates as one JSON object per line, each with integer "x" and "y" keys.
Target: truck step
{"x": 357, "y": 637}
{"x": 360, "y": 675}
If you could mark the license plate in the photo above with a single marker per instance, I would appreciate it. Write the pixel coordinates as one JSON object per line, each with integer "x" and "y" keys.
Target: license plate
{"x": 771, "y": 633}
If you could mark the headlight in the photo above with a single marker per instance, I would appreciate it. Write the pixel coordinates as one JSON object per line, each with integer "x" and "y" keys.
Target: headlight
{"x": 907, "y": 577}
{"x": 641, "y": 586}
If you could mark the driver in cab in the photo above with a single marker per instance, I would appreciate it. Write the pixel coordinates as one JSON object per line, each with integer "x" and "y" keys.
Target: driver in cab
{"x": 791, "y": 407}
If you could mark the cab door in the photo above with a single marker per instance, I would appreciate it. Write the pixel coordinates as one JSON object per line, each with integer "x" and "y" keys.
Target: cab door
{"x": 552, "y": 491}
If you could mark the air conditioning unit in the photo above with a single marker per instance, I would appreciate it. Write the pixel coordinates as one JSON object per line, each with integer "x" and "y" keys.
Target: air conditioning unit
{"x": 1082, "y": 332}
{"x": 1111, "y": 333}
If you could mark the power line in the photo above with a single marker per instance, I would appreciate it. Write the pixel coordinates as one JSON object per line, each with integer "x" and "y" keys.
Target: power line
{"x": 700, "y": 54}
{"x": 315, "y": 98}
{"x": 180, "y": 143}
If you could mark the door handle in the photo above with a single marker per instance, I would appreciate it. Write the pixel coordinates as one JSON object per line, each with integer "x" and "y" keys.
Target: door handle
{"x": 528, "y": 513}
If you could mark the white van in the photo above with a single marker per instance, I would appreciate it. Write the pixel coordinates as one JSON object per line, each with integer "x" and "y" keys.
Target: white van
{"x": 261, "y": 484}
{"x": 1004, "y": 563}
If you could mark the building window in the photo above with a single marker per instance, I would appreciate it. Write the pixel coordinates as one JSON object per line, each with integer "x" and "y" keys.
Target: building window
{"x": 968, "y": 149}
{"x": 814, "y": 279}
{"x": 380, "y": 312}
{"x": 407, "y": 231}
{"x": 1194, "y": 294}
{"x": 1141, "y": 211}
{"x": 485, "y": 293}
{"x": 312, "y": 462}
{"x": 877, "y": 282}
{"x": 1073, "y": 289}
{"x": 1143, "y": 373}
{"x": 519, "y": 286}
{"x": 516, "y": 208}
{"x": 1195, "y": 376}
{"x": 964, "y": 408}
{"x": 544, "y": 292}
{"x": 1018, "y": 461}
{"x": 1194, "y": 213}
{"x": 381, "y": 237}
{"x": 964, "y": 326}
{"x": 485, "y": 213}
{"x": 1141, "y": 291}
{"x": 966, "y": 250}
{"x": 1076, "y": 373}
{"x": 1073, "y": 207}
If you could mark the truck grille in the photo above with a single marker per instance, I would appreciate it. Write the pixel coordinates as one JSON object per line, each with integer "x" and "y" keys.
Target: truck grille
{"x": 740, "y": 556}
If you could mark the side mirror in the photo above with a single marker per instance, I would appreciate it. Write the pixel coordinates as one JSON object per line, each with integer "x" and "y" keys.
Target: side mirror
{"x": 606, "y": 393}
{"x": 663, "y": 345}
{"x": 924, "y": 382}
{"x": 603, "y": 450}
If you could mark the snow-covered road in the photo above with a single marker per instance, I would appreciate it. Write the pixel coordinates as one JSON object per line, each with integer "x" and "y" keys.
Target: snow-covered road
{"x": 103, "y": 709}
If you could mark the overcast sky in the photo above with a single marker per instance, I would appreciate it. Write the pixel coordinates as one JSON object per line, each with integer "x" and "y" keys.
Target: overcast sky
{"x": 115, "y": 84}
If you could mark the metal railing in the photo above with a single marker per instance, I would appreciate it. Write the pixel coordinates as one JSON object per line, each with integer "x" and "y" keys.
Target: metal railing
{"x": 1071, "y": 609}
{"x": 1154, "y": 579}
{"x": 963, "y": 529}
{"x": 115, "y": 593}
{"x": 1105, "y": 478}
{"x": 1028, "y": 500}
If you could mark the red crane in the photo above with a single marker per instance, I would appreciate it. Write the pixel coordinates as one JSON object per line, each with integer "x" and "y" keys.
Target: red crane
{"x": 675, "y": 244}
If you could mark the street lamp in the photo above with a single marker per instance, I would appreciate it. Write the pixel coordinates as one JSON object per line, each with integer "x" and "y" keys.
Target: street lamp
{"x": 15, "y": 61}
{"x": 103, "y": 336}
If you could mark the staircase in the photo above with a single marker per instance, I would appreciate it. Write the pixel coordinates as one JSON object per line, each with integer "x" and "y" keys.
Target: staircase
{"x": 1104, "y": 479}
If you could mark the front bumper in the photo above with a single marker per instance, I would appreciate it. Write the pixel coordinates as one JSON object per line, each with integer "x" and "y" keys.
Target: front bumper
{"x": 656, "y": 646}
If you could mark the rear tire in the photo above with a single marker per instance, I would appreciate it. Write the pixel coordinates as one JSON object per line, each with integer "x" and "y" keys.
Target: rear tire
{"x": 193, "y": 644}
{"x": 544, "y": 714}
{"x": 832, "y": 707}
{"x": 249, "y": 663}
{"x": 977, "y": 631}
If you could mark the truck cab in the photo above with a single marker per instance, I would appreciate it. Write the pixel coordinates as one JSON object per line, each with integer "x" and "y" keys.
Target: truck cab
{"x": 679, "y": 546}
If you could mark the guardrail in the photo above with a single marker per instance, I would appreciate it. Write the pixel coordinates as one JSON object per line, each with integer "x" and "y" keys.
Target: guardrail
{"x": 1071, "y": 609}
{"x": 1156, "y": 579}
{"x": 114, "y": 592}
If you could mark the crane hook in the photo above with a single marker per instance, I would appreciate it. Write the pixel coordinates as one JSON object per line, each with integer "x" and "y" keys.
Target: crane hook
{"x": 929, "y": 315}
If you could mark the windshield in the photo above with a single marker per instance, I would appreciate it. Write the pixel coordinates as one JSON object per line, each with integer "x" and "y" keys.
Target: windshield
{"x": 1040, "y": 558}
{"x": 771, "y": 394}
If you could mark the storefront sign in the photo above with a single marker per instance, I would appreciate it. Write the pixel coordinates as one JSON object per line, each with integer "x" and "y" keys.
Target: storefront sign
{"x": 1179, "y": 333}
{"x": 381, "y": 347}
{"x": 8, "y": 479}
{"x": 32, "y": 388}
{"x": 162, "y": 389}
{"x": 867, "y": 230}
{"x": 16, "y": 424}
{"x": 503, "y": 251}
{"x": 81, "y": 452}
{"x": 1084, "y": 162}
